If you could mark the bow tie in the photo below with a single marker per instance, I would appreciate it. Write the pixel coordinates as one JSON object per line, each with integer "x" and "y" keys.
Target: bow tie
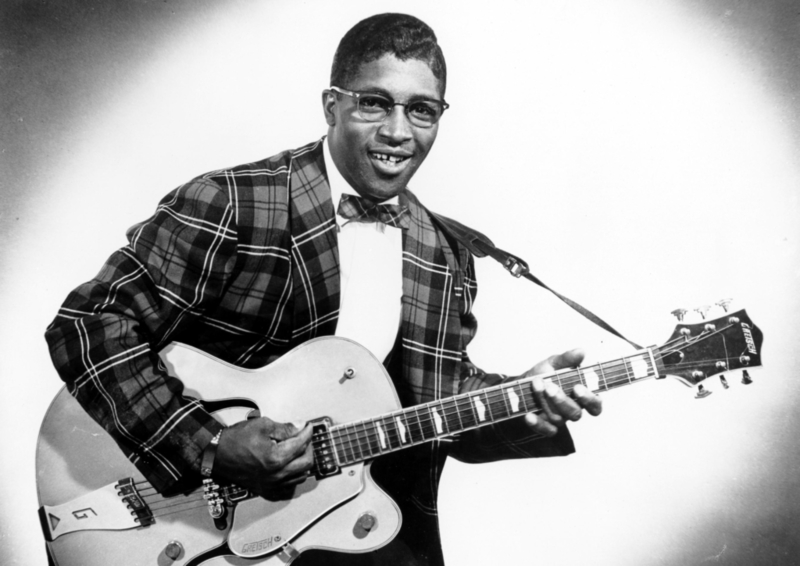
{"x": 356, "y": 209}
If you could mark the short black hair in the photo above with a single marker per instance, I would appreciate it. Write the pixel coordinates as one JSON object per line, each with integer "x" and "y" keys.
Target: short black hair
{"x": 401, "y": 35}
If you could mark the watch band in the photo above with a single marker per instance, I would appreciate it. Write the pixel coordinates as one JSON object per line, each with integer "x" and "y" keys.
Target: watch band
{"x": 209, "y": 454}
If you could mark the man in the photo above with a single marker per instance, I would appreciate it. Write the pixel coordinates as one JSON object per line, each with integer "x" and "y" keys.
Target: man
{"x": 249, "y": 262}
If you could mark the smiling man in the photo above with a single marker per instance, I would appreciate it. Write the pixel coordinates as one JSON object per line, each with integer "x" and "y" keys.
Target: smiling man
{"x": 327, "y": 239}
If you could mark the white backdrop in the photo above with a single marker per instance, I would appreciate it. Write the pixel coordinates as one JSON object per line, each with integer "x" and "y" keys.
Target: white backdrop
{"x": 640, "y": 156}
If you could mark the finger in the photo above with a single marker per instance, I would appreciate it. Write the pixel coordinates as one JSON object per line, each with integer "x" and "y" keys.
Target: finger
{"x": 543, "y": 401}
{"x": 282, "y": 431}
{"x": 562, "y": 404}
{"x": 588, "y": 400}
{"x": 569, "y": 359}
{"x": 540, "y": 425}
{"x": 296, "y": 447}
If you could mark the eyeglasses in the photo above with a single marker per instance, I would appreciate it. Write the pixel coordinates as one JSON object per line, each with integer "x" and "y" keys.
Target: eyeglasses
{"x": 374, "y": 107}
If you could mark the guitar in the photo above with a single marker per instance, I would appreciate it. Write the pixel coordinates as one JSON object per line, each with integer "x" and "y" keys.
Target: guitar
{"x": 97, "y": 509}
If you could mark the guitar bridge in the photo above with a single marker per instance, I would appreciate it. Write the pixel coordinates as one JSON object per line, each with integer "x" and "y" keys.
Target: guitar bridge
{"x": 325, "y": 463}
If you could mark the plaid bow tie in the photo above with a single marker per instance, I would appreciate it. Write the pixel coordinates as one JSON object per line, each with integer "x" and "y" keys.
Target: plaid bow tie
{"x": 357, "y": 209}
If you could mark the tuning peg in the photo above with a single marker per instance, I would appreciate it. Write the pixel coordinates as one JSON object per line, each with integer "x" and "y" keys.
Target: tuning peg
{"x": 724, "y": 303}
{"x": 702, "y": 392}
{"x": 702, "y": 310}
{"x": 679, "y": 314}
{"x": 724, "y": 382}
{"x": 746, "y": 379}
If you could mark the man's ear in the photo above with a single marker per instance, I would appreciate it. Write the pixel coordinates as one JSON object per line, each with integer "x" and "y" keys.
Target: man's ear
{"x": 328, "y": 105}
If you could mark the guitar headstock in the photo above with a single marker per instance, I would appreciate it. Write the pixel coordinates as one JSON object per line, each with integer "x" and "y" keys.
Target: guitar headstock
{"x": 698, "y": 351}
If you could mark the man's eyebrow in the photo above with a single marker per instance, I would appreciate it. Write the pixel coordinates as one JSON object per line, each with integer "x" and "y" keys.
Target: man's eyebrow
{"x": 387, "y": 94}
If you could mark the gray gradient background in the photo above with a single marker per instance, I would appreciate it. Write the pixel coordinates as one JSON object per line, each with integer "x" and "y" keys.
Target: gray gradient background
{"x": 653, "y": 165}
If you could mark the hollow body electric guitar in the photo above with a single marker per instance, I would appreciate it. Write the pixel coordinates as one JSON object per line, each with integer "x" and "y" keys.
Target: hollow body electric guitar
{"x": 97, "y": 509}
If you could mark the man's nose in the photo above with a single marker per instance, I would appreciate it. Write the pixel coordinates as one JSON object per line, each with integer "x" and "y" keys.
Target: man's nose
{"x": 396, "y": 126}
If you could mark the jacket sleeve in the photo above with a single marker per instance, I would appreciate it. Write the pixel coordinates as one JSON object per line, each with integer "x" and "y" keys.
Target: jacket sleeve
{"x": 105, "y": 339}
{"x": 510, "y": 439}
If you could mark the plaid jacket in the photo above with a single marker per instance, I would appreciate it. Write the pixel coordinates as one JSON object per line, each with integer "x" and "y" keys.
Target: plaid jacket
{"x": 243, "y": 263}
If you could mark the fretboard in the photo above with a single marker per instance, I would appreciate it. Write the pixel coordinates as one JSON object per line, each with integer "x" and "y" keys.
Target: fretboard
{"x": 363, "y": 440}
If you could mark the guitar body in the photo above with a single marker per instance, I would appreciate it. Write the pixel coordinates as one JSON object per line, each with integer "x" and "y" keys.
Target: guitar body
{"x": 77, "y": 460}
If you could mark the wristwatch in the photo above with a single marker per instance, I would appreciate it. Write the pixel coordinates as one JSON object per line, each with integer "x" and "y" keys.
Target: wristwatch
{"x": 209, "y": 454}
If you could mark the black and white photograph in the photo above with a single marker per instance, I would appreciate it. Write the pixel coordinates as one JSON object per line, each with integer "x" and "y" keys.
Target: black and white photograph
{"x": 365, "y": 283}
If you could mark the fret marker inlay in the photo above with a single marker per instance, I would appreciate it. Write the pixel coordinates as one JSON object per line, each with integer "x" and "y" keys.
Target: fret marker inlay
{"x": 437, "y": 421}
{"x": 592, "y": 379}
{"x": 481, "y": 408}
{"x": 402, "y": 428}
{"x": 513, "y": 398}
{"x": 639, "y": 367}
{"x": 381, "y": 435}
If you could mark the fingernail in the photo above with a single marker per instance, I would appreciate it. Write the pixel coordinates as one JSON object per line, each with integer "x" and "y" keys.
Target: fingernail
{"x": 552, "y": 389}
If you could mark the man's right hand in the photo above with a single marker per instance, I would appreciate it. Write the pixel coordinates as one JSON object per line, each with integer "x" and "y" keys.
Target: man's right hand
{"x": 265, "y": 457}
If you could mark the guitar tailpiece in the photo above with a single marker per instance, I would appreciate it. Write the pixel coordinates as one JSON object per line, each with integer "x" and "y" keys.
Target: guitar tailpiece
{"x": 216, "y": 506}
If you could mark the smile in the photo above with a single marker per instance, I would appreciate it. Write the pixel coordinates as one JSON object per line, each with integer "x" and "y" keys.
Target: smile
{"x": 386, "y": 158}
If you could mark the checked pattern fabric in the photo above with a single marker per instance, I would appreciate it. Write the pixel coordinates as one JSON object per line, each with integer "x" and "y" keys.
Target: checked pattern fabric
{"x": 243, "y": 264}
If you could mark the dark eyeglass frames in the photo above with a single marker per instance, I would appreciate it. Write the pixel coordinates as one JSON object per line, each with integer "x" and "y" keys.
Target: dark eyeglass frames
{"x": 374, "y": 107}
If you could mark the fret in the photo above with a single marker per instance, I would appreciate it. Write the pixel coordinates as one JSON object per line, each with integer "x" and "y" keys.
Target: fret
{"x": 651, "y": 362}
{"x": 522, "y": 393}
{"x": 488, "y": 404}
{"x": 556, "y": 377}
{"x": 366, "y": 440}
{"x": 626, "y": 366}
{"x": 571, "y": 379}
{"x": 402, "y": 429}
{"x": 452, "y": 418}
{"x": 416, "y": 432}
{"x": 352, "y": 442}
{"x": 480, "y": 407}
{"x": 361, "y": 442}
{"x": 438, "y": 420}
{"x": 590, "y": 378}
{"x": 512, "y": 400}
{"x": 428, "y": 422}
{"x": 467, "y": 411}
{"x": 603, "y": 379}
{"x": 382, "y": 438}
{"x": 373, "y": 437}
{"x": 390, "y": 426}
{"x": 498, "y": 404}
{"x": 504, "y": 402}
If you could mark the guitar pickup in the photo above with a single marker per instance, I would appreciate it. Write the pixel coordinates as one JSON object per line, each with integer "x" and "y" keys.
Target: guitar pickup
{"x": 325, "y": 463}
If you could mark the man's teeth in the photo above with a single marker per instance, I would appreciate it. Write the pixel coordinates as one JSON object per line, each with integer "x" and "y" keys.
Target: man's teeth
{"x": 389, "y": 158}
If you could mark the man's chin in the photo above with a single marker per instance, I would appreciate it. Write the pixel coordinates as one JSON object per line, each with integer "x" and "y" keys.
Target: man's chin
{"x": 381, "y": 190}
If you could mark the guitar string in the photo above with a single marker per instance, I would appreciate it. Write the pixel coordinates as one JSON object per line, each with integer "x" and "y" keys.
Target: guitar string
{"x": 370, "y": 443}
{"x": 496, "y": 400}
{"x": 357, "y": 443}
{"x": 177, "y": 506}
{"x": 612, "y": 374}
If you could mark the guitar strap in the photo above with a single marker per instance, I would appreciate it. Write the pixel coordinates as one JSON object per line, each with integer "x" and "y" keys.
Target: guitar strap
{"x": 481, "y": 246}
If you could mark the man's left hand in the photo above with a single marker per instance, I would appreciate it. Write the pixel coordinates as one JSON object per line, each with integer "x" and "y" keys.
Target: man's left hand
{"x": 558, "y": 407}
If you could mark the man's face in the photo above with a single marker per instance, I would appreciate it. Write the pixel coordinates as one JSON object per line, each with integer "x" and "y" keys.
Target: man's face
{"x": 378, "y": 159}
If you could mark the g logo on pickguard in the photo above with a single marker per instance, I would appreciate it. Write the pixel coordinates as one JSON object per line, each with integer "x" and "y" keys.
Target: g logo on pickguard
{"x": 83, "y": 513}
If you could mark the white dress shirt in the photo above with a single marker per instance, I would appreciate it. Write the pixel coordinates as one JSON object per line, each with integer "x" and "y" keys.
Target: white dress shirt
{"x": 371, "y": 267}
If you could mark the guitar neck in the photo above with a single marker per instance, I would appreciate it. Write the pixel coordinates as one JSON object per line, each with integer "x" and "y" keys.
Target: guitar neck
{"x": 367, "y": 439}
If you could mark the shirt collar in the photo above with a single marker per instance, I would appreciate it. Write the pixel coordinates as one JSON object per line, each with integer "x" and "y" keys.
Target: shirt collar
{"x": 339, "y": 185}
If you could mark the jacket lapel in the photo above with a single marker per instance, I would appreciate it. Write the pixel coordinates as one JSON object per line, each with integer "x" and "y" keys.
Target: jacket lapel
{"x": 314, "y": 249}
{"x": 431, "y": 328}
